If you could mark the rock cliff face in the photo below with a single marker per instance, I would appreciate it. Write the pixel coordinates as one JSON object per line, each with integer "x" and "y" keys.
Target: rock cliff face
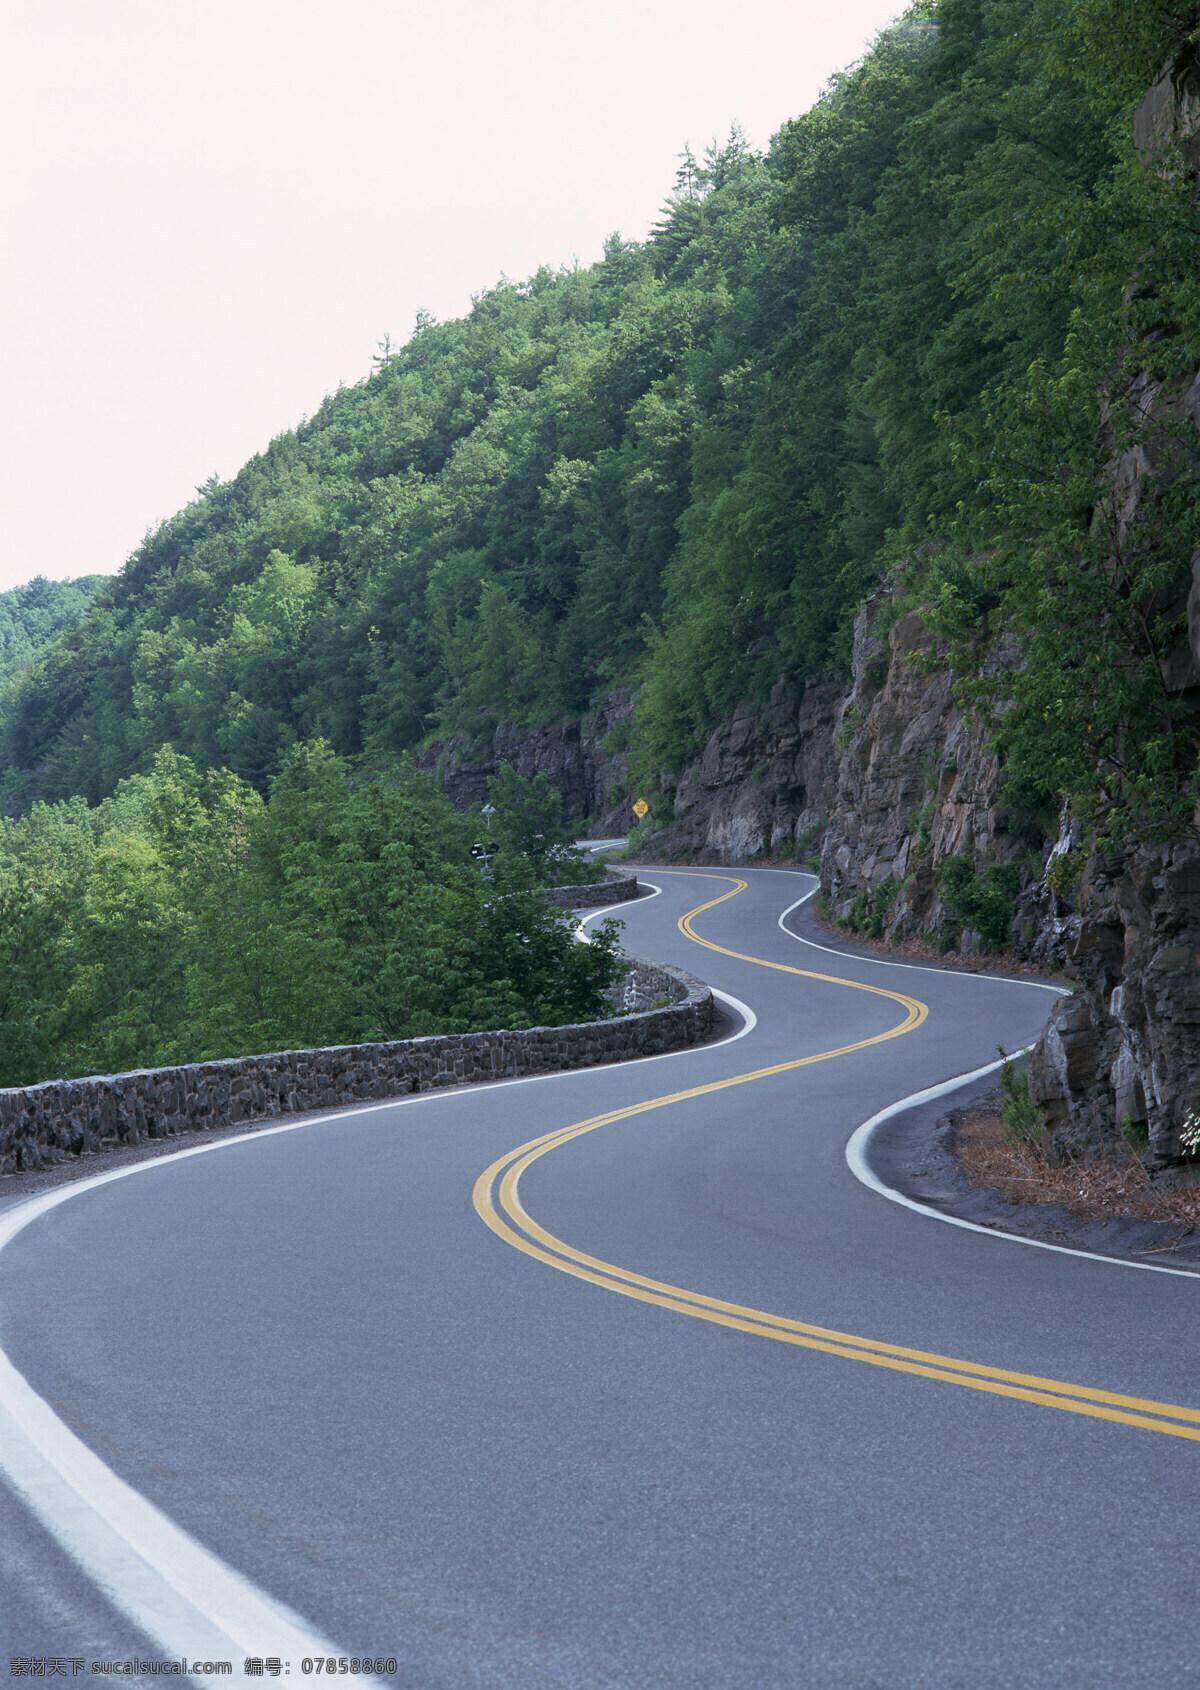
{"x": 585, "y": 760}
{"x": 1126, "y": 1043}
{"x": 881, "y": 777}
{"x": 916, "y": 781}
{"x": 1124, "y": 1048}
{"x": 764, "y": 784}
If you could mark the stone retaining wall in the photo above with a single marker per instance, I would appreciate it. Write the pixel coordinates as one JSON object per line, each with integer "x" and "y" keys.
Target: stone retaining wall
{"x": 60, "y": 1119}
{"x": 615, "y": 890}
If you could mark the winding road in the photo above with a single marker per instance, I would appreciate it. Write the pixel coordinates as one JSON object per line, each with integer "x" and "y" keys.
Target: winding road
{"x": 611, "y": 1380}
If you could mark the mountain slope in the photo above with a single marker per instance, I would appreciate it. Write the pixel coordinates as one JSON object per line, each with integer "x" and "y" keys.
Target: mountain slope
{"x": 33, "y": 616}
{"x": 684, "y": 465}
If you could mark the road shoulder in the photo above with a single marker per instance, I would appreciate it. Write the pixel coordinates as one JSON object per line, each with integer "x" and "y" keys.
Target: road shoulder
{"x": 913, "y": 1154}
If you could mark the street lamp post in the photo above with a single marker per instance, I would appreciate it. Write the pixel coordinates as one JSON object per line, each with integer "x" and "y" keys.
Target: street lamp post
{"x": 480, "y": 853}
{"x": 479, "y": 850}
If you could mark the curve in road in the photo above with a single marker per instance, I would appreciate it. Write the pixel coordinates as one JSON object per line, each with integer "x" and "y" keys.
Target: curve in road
{"x": 309, "y": 1358}
{"x": 497, "y": 1189}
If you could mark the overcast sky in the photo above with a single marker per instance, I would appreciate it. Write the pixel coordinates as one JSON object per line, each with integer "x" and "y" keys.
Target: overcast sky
{"x": 213, "y": 210}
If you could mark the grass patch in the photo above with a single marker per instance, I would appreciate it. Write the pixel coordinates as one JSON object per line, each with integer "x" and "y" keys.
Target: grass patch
{"x": 1089, "y": 1187}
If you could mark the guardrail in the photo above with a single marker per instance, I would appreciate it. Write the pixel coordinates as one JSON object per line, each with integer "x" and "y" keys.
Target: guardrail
{"x": 58, "y": 1120}
{"x": 615, "y": 890}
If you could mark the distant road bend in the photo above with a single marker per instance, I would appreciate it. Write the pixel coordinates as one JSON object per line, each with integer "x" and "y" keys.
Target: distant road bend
{"x": 288, "y": 1397}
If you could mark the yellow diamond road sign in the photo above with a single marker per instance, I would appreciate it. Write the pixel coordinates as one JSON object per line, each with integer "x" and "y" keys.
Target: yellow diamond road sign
{"x": 641, "y": 808}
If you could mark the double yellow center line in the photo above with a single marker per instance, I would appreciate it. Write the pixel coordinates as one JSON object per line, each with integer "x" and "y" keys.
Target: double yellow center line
{"x": 497, "y": 1199}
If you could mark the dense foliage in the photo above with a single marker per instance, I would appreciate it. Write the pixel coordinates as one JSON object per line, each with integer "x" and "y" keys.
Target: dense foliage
{"x": 1082, "y": 518}
{"x": 33, "y": 616}
{"x": 685, "y": 464}
{"x": 186, "y": 918}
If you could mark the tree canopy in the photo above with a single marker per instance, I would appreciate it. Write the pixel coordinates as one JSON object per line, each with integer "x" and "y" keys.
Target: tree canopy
{"x": 681, "y": 466}
{"x": 186, "y": 918}
{"x": 33, "y": 616}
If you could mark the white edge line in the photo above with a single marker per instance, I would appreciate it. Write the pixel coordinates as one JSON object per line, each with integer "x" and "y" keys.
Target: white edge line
{"x": 858, "y": 1148}
{"x": 178, "y": 1594}
{"x": 593, "y": 915}
{"x": 914, "y": 967}
{"x": 171, "y": 1587}
{"x": 749, "y": 1019}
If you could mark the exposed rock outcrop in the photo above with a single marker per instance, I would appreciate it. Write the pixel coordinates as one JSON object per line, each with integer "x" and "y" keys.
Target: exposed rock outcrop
{"x": 1124, "y": 1048}
{"x": 1171, "y": 111}
{"x": 587, "y": 761}
{"x": 764, "y": 784}
{"x": 917, "y": 782}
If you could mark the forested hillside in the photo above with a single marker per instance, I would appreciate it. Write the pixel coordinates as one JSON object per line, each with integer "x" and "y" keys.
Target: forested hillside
{"x": 32, "y": 617}
{"x": 882, "y": 345}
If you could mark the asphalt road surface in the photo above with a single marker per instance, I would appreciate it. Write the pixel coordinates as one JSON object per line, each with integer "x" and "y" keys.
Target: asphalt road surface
{"x": 688, "y": 1406}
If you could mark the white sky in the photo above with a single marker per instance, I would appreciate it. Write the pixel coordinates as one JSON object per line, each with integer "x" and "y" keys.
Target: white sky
{"x": 213, "y": 210}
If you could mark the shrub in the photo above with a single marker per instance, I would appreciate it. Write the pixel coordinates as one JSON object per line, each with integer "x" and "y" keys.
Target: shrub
{"x": 1022, "y": 1117}
{"x": 805, "y": 843}
{"x": 618, "y": 739}
{"x": 1063, "y": 872}
{"x": 985, "y": 903}
{"x": 851, "y": 722}
{"x": 885, "y": 894}
{"x": 1137, "y": 1133}
{"x": 868, "y": 913}
{"x": 925, "y": 826}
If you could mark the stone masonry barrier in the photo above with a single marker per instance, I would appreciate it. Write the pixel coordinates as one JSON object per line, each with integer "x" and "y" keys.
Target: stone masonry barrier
{"x": 615, "y": 890}
{"x": 57, "y": 1120}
